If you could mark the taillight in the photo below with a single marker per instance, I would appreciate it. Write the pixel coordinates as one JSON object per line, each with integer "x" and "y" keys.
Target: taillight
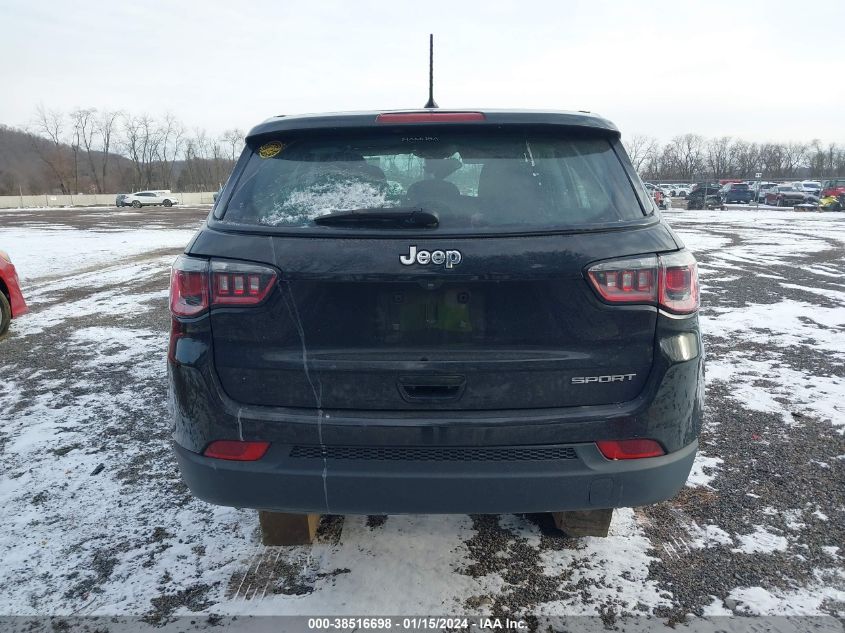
{"x": 678, "y": 282}
{"x": 197, "y": 284}
{"x": 669, "y": 280}
{"x": 188, "y": 286}
{"x": 236, "y": 451}
{"x": 233, "y": 283}
{"x": 630, "y": 449}
{"x": 630, "y": 280}
{"x": 430, "y": 117}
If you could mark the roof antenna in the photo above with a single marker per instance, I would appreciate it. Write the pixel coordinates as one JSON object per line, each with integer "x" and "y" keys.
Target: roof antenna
{"x": 431, "y": 103}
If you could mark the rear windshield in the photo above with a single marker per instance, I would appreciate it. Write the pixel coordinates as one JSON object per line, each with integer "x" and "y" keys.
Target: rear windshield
{"x": 739, "y": 186}
{"x": 473, "y": 181}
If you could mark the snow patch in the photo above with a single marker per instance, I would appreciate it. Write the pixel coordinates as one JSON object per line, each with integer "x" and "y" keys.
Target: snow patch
{"x": 760, "y": 541}
{"x": 703, "y": 470}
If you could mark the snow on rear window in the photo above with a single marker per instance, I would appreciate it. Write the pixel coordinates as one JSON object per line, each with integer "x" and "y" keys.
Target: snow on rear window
{"x": 305, "y": 202}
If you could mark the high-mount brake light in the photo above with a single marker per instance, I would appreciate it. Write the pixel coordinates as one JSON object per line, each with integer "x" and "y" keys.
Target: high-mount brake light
{"x": 429, "y": 117}
{"x": 630, "y": 449}
{"x": 668, "y": 280}
{"x": 236, "y": 450}
{"x": 197, "y": 285}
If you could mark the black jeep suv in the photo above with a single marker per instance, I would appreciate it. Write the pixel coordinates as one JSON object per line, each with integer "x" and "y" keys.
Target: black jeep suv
{"x": 435, "y": 312}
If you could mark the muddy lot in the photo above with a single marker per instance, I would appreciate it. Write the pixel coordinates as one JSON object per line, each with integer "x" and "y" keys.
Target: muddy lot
{"x": 96, "y": 521}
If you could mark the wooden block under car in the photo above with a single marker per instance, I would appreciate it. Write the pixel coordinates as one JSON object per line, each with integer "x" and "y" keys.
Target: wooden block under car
{"x": 280, "y": 528}
{"x": 576, "y": 523}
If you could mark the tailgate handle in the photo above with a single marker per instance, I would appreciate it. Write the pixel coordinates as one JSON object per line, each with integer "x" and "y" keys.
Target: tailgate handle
{"x": 431, "y": 388}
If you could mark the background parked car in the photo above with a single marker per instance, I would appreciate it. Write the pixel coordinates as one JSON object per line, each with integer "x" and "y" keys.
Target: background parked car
{"x": 704, "y": 196}
{"x": 120, "y": 199}
{"x": 835, "y": 188}
{"x": 736, "y": 192}
{"x": 811, "y": 187}
{"x": 760, "y": 190}
{"x": 148, "y": 198}
{"x": 660, "y": 198}
{"x": 682, "y": 190}
{"x": 12, "y": 304}
{"x": 784, "y": 196}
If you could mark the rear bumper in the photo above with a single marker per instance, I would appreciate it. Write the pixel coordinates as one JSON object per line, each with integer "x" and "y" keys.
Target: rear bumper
{"x": 507, "y": 477}
{"x": 366, "y": 485}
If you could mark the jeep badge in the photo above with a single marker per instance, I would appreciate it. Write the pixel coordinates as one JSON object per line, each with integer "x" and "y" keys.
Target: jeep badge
{"x": 450, "y": 258}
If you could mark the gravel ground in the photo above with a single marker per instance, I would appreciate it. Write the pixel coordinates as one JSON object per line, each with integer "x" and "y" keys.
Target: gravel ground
{"x": 96, "y": 520}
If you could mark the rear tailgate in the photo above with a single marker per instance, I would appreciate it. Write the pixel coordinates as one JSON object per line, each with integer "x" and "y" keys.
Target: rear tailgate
{"x": 509, "y": 328}
{"x": 374, "y": 319}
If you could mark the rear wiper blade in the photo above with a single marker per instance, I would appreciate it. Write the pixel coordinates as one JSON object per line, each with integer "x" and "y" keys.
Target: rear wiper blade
{"x": 389, "y": 217}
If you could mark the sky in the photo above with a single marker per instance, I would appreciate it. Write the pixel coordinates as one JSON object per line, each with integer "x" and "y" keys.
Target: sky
{"x": 764, "y": 71}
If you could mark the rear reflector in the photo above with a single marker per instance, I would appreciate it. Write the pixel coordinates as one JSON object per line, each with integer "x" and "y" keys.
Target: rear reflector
{"x": 237, "y": 451}
{"x": 429, "y": 117}
{"x": 629, "y": 449}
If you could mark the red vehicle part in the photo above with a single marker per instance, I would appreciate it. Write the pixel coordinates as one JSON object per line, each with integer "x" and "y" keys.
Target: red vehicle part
{"x": 10, "y": 286}
{"x": 834, "y": 188}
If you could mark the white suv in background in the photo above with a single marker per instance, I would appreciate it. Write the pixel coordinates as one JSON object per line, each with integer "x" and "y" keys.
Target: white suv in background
{"x": 148, "y": 198}
{"x": 812, "y": 187}
{"x": 676, "y": 190}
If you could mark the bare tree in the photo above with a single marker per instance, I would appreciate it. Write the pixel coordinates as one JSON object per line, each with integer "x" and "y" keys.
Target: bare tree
{"x": 106, "y": 126}
{"x": 745, "y": 157}
{"x": 234, "y": 140}
{"x": 171, "y": 133}
{"x": 772, "y": 160}
{"x": 142, "y": 142}
{"x": 835, "y": 163}
{"x": 794, "y": 157}
{"x": 686, "y": 153}
{"x": 719, "y": 159}
{"x": 50, "y": 124}
{"x": 641, "y": 150}
{"x": 84, "y": 125}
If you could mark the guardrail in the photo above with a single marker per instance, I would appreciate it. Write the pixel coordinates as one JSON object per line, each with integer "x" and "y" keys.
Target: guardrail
{"x": 90, "y": 200}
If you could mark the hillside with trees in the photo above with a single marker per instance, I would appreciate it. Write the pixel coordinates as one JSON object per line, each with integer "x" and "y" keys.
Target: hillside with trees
{"x": 92, "y": 151}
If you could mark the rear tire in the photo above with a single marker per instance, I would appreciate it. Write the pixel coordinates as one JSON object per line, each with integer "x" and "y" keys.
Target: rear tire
{"x": 578, "y": 523}
{"x": 5, "y": 316}
{"x": 136, "y": 204}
